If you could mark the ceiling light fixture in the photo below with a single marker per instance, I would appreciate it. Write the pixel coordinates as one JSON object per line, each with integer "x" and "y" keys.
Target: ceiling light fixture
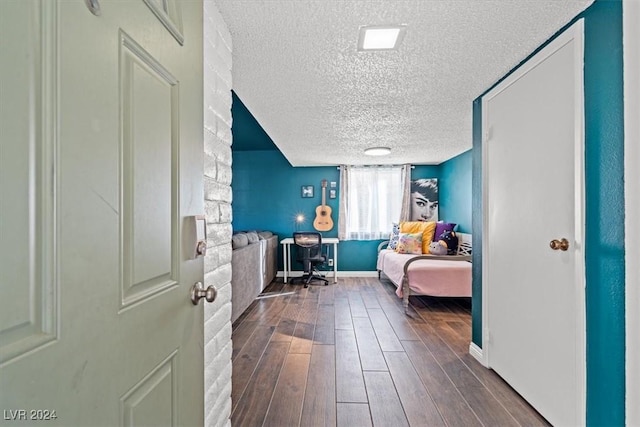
{"x": 377, "y": 151}
{"x": 381, "y": 37}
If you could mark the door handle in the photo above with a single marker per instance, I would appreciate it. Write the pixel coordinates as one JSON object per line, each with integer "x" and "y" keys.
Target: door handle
{"x": 562, "y": 244}
{"x": 198, "y": 291}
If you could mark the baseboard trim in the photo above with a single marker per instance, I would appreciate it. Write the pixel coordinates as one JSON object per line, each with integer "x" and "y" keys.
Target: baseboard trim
{"x": 357, "y": 274}
{"x": 477, "y": 354}
{"x": 330, "y": 273}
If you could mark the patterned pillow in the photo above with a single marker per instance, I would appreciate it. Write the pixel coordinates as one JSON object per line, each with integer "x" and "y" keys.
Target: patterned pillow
{"x": 393, "y": 238}
{"x": 427, "y": 228}
{"x": 409, "y": 243}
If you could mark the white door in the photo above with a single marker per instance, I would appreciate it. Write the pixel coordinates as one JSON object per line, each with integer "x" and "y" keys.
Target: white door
{"x": 631, "y": 43}
{"x": 534, "y": 295}
{"x": 100, "y": 164}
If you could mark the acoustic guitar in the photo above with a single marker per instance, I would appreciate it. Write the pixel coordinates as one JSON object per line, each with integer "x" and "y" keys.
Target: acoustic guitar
{"x": 323, "y": 221}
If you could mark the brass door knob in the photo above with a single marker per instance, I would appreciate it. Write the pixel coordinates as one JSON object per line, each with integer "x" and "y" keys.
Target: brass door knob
{"x": 562, "y": 244}
{"x": 198, "y": 291}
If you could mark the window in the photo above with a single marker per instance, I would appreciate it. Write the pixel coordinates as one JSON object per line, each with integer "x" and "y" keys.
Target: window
{"x": 373, "y": 200}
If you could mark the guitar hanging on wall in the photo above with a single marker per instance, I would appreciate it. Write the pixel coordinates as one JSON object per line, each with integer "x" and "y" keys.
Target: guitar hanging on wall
{"x": 323, "y": 221}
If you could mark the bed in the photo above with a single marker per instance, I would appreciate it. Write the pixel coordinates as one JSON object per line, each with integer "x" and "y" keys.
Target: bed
{"x": 433, "y": 275}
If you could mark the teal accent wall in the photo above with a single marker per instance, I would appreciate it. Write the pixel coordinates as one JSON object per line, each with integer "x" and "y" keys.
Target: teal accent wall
{"x": 266, "y": 196}
{"x": 604, "y": 242}
{"x": 266, "y": 193}
{"x": 426, "y": 171}
{"x": 604, "y": 201}
{"x": 455, "y": 191}
{"x": 478, "y": 209}
{"x": 247, "y": 133}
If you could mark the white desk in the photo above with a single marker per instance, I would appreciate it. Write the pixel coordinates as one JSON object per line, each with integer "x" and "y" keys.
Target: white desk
{"x": 286, "y": 246}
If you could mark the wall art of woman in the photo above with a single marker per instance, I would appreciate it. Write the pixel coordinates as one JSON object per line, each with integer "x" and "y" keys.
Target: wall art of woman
{"x": 424, "y": 199}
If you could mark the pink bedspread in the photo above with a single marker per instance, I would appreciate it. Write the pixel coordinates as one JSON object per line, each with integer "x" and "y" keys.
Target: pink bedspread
{"x": 433, "y": 277}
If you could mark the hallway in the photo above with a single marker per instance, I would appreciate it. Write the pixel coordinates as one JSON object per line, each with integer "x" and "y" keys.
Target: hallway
{"x": 347, "y": 355}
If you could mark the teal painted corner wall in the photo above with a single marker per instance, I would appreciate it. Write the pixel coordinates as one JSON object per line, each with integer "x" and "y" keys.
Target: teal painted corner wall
{"x": 266, "y": 192}
{"x": 455, "y": 191}
{"x": 477, "y": 207}
{"x": 604, "y": 240}
{"x": 266, "y": 196}
{"x": 604, "y": 215}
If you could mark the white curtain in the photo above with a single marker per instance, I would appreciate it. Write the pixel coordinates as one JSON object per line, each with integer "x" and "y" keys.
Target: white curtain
{"x": 371, "y": 200}
{"x": 405, "y": 210}
{"x": 342, "y": 202}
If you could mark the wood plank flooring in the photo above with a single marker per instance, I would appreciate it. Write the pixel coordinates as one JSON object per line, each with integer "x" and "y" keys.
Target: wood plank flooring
{"x": 347, "y": 355}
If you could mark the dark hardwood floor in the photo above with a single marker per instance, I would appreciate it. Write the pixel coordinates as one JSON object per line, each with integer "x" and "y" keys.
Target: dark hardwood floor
{"x": 347, "y": 355}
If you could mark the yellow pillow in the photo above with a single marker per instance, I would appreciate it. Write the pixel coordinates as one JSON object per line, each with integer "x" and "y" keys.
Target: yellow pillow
{"x": 427, "y": 228}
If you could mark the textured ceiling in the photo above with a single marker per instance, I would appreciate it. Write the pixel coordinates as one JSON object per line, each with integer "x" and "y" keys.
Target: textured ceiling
{"x": 297, "y": 69}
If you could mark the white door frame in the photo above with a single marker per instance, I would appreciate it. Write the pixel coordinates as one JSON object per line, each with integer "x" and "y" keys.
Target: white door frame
{"x": 575, "y": 33}
{"x": 631, "y": 42}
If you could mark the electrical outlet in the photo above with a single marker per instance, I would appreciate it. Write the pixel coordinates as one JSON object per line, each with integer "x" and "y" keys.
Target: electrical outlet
{"x": 330, "y": 262}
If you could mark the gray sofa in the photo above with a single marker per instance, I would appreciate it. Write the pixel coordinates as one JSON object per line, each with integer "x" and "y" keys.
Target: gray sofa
{"x": 253, "y": 267}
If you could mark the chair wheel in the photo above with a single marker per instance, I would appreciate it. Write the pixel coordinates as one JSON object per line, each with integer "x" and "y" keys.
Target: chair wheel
{"x": 306, "y": 285}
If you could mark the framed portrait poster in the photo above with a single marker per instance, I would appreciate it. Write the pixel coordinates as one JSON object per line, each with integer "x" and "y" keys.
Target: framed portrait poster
{"x": 424, "y": 199}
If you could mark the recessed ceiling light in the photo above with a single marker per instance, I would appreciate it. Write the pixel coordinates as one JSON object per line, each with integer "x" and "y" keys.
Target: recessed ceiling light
{"x": 381, "y": 37}
{"x": 377, "y": 151}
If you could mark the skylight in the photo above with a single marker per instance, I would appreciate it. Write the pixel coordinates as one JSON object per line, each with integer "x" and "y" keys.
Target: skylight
{"x": 379, "y": 37}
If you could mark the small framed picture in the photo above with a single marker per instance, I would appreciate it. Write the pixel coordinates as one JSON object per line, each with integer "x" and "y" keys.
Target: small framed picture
{"x": 332, "y": 194}
{"x": 333, "y": 184}
{"x": 307, "y": 191}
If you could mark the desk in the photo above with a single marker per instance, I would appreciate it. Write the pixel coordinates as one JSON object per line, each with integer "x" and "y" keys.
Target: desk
{"x": 286, "y": 246}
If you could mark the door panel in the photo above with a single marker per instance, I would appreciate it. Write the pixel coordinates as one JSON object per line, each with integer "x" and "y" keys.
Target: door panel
{"x": 28, "y": 274}
{"x": 98, "y": 198}
{"x": 149, "y": 103}
{"x": 153, "y": 400}
{"x": 533, "y": 183}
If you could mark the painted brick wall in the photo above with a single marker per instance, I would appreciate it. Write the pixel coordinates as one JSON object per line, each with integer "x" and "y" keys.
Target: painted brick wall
{"x": 217, "y": 193}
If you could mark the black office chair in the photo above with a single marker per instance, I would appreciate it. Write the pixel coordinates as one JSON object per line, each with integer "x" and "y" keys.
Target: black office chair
{"x": 309, "y": 252}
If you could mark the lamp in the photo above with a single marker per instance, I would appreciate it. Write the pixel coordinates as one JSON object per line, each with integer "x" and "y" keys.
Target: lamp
{"x": 377, "y": 151}
{"x": 299, "y": 221}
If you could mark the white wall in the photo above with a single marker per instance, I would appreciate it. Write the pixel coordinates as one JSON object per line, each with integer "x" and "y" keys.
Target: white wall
{"x": 631, "y": 41}
{"x": 217, "y": 188}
